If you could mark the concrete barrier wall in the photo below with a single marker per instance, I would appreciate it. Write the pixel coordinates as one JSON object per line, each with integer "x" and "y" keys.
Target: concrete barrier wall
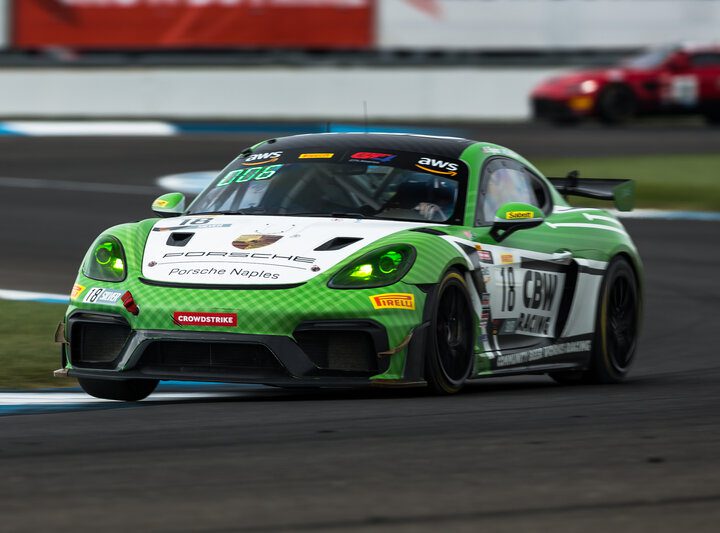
{"x": 549, "y": 24}
{"x": 270, "y": 93}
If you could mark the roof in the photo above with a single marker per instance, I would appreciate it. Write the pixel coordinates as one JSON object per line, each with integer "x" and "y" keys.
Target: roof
{"x": 425, "y": 144}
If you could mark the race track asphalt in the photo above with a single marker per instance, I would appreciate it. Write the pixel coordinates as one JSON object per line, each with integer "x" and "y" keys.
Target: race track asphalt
{"x": 511, "y": 455}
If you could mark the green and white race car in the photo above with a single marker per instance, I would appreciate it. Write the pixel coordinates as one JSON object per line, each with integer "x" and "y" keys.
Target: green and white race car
{"x": 347, "y": 260}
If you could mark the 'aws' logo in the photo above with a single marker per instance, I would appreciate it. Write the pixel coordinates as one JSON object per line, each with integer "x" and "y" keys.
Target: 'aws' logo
{"x": 262, "y": 158}
{"x": 437, "y": 166}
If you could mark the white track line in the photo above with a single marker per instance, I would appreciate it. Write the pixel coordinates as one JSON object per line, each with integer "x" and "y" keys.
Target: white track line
{"x": 90, "y": 128}
{"x": 27, "y": 296}
{"x": 77, "y": 186}
{"x": 64, "y": 398}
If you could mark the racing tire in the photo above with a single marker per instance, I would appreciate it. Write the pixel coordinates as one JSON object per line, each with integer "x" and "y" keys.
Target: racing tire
{"x": 712, "y": 116}
{"x": 127, "y": 390}
{"x": 449, "y": 356}
{"x": 616, "y": 104}
{"x": 616, "y": 329}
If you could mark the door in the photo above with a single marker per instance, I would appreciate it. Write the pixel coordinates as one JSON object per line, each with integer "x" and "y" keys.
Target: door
{"x": 526, "y": 275}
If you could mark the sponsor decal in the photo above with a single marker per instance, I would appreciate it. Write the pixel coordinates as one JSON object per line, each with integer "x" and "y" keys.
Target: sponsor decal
{"x": 248, "y": 242}
{"x": 484, "y": 317}
{"x": 515, "y": 215}
{"x": 539, "y": 289}
{"x": 253, "y": 274}
{"x": 508, "y": 326}
{"x": 506, "y": 259}
{"x": 437, "y": 166}
{"x": 160, "y": 203}
{"x": 316, "y": 156}
{"x": 244, "y": 255}
{"x": 244, "y": 175}
{"x": 187, "y": 318}
{"x": 528, "y": 356}
{"x": 530, "y": 323}
{"x": 194, "y": 223}
{"x": 261, "y": 274}
{"x": 485, "y": 256}
{"x": 397, "y": 300}
{"x": 102, "y": 296}
{"x": 372, "y": 157}
{"x": 76, "y": 291}
{"x": 261, "y": 158}
{"x": 498, "y": 150}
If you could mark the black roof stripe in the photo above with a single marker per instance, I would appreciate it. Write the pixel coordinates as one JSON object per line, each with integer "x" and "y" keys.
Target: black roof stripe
{"x": 442, "y": 146}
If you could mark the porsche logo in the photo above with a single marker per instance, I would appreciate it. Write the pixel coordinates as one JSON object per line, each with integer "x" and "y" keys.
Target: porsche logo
{"x": 249, "y": 242}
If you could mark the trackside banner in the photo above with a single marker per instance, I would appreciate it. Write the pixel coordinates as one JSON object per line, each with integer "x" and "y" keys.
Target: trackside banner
{"x": 144, "y": 24}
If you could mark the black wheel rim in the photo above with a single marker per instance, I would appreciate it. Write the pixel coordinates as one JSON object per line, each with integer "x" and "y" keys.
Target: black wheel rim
{"x": 453, "y": 334}
{"x": 619, "y": 105}
{"x": 621, "y": 323}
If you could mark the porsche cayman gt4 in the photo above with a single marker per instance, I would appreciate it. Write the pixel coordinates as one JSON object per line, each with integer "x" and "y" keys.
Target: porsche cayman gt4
{"x": 349, "y": 260}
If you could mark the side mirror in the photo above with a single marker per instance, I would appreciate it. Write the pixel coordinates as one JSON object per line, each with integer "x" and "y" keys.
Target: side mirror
{"x": 171, "y": 204}
{"x": 515, "y": 216}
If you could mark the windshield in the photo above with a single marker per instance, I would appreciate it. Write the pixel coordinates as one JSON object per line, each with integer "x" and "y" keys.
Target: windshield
{"x": 362, "y": 184}
{"x": 648, "y": 59}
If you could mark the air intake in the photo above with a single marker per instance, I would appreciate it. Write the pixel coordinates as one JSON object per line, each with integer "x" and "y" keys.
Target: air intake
{"x": 337, "y": 243}
{"x": 179, "y": 239}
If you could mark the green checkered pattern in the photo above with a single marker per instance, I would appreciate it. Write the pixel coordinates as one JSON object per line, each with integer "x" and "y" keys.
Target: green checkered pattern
{"x": 275, "y": 311}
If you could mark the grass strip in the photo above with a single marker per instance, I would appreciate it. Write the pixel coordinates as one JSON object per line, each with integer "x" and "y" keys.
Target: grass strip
{"x": 28, "y": 353}
{"x": 686, "y": 182}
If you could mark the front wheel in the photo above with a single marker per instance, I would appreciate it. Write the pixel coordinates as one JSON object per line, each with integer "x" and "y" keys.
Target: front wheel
{"x": 127, "y": 390}
{"x": 616, "y": 104}
{"x": 448, "y": 360}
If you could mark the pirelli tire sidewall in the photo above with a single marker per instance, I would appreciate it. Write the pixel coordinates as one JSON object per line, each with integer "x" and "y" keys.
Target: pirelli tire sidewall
{"x": 603, "y": 366}
{"x": 436, "y": 376}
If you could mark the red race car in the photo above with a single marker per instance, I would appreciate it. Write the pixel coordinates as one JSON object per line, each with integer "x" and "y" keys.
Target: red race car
{"x": 672, "y": 80}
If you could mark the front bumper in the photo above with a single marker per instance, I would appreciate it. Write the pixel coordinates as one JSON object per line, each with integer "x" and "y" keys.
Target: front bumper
{"x": 339, "y": 353}
{"x": 308, "y": 335}
{"x": 575, "y": 107}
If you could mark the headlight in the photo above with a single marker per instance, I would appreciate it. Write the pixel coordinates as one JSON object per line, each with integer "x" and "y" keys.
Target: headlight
{"x": 105, "y": 261}
{"x": 585, "y": 87}
{"x": 378, "y": 268}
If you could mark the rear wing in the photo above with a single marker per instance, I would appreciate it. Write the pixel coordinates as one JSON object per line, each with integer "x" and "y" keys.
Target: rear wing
{"x": 622, "y": 192}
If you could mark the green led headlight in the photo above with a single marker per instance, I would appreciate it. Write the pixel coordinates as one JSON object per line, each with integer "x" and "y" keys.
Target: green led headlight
{"x": 378, "y": 268}
{"x": 105, "y": 261}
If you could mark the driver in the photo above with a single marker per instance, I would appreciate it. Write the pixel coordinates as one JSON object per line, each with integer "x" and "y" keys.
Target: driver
{"x": 432, "y": 199}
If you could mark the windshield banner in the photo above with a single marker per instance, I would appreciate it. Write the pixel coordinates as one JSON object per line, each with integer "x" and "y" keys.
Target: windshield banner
{"x": 143, "y": 24}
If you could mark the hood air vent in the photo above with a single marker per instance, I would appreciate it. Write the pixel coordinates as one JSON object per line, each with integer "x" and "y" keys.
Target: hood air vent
{"x": 179, "y": 239}
{"x": 337, "y": 243}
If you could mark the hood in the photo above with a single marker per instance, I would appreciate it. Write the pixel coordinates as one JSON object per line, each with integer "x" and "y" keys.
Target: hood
{"x": 575, "y": 77}
{"x": 256, "y": 250}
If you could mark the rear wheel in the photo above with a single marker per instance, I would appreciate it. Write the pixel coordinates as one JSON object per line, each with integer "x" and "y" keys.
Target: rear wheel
{"x": 616, "y": 328}
{"x": 128, "y": 390}
{"x": 712, "y": 116}
{"x": 616, "y": 104}
{"x": 449, "y": 352}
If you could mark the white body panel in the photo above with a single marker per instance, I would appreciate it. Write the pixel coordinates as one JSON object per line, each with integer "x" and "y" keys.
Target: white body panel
{"x": 210, "y": 257}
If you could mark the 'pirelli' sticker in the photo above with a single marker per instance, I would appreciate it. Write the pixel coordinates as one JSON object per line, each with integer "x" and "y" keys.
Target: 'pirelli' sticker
{"x": 395, "y": 300}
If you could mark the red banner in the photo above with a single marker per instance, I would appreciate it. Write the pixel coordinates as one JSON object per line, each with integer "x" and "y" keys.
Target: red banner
{"x": 144, "y": 24}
